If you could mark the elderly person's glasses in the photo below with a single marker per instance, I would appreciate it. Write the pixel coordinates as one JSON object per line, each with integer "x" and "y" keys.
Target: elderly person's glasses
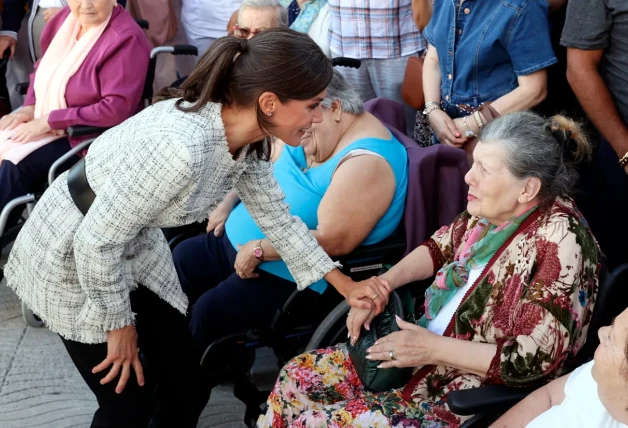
{"x": 244, "y": 33}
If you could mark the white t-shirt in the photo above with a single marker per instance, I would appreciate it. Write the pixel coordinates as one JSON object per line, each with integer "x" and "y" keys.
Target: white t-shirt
{"x": 439, "y": 324}
{"x": 207, "y": 18}
{"x": 581, "y": 407}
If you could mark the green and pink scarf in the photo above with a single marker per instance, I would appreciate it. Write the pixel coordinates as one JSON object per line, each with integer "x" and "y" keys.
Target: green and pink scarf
{"x": 485, "y": 239}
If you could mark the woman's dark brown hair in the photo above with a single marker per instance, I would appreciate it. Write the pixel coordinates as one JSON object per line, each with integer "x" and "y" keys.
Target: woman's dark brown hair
{"x": 236, "y": 72}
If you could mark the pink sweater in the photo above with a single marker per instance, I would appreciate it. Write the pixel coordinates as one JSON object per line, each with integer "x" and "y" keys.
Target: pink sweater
{"x": 107, "y": 88}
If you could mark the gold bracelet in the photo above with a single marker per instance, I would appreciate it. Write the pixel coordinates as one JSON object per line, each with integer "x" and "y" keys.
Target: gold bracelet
{"x": 623, "y": 161}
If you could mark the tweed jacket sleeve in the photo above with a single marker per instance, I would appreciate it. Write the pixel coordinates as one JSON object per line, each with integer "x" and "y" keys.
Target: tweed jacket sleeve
{"x": 264, "y": 199}
{"x": 125, "y": 204}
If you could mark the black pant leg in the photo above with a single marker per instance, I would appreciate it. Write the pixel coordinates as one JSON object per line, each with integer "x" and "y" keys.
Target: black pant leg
{"x": 166, "y": 342}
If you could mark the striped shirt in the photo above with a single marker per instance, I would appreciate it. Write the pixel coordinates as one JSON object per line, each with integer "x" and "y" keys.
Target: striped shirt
{"x": 382, "y": 29}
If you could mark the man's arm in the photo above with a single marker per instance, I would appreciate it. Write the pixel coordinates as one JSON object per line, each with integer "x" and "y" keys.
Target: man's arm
{"x": 596, "y": 100}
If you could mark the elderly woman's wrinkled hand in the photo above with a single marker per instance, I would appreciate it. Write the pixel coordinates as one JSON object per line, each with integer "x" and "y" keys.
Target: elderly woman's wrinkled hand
{"x": 23, "y": 115}
{"x": 445, "y": 129}
{"x": 369, "y": 294}
{"x": 32, "y": 130}
{"x": 246, "y": 262}
{"x": 356, "y": 318}
{"x": 413, "y": 346}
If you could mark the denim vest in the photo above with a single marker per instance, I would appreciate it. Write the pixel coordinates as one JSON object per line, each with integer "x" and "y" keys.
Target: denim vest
{"x": 484, "y": 45}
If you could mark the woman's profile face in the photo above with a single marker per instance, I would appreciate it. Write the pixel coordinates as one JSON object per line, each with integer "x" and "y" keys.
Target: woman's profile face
{"x": 322, "y": 134}
{"x": 493, "y": 190}
{"x": 91, "y": 13}
{"x": 610, "y": 369}
{"x": 292, "y": 119}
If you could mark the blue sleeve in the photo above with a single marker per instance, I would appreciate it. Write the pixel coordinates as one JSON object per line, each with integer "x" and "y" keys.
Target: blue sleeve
{"x": 529, "y": 42}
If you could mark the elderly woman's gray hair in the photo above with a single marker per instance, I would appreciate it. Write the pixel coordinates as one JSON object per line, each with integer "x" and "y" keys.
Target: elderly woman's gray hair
{"x": 341, "y": 90}
{"x": 548, "y": 149}
{"x": 282, "y": 12}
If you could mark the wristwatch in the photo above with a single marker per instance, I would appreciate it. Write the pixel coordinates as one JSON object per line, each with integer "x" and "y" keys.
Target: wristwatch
{"x": 258, "y": 252}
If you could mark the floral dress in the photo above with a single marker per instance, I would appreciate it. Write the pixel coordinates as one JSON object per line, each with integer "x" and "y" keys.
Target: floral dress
{"x": 534, "y": 300}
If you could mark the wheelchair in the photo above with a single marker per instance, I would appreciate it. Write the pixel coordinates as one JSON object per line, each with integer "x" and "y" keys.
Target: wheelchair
{"x": 27, "y": 202}
{"x": 295, "y": 325}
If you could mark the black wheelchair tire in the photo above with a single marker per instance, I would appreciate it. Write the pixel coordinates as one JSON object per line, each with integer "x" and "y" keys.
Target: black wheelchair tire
{"x": 332, "y": 330}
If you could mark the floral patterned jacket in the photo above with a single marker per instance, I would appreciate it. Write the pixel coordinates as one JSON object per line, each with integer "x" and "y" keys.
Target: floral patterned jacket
{"x": 534, "y": 299}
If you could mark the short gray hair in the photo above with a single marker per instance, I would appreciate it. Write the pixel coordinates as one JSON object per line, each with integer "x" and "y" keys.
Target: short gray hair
{"x": 282, "y": 12}
{"x": 341, "y": 90}
{"x": 548, "y": 149}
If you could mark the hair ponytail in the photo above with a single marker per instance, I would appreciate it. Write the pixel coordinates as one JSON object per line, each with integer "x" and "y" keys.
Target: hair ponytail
{"x": 209, "y": 79}
{"x": 237, "y": 72}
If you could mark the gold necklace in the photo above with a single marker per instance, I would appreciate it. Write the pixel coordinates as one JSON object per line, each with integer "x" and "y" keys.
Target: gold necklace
{"x": 307, "y": 168}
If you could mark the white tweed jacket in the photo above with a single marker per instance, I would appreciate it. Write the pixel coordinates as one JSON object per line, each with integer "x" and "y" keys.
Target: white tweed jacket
{"x": 161, "y": 168}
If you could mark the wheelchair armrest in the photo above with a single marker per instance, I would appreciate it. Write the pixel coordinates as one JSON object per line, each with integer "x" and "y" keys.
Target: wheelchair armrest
{"x": 22, "y": 88}
{"x": 390, "y": 246}
{"x": 486, "y": 399}
{"x": 142, "y": 23}
{"x": 84, "y": 131}
{"x": 346, "y": 62}
{"x": 185, "y": 50}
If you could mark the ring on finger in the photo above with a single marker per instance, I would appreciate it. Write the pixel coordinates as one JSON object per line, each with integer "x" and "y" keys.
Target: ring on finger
{"x": 391, "y": 354}
{"x": 374, "y": 297}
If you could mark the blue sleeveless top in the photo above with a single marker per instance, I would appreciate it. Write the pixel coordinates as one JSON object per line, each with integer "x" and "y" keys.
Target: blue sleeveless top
{"x": 305, "y": 190}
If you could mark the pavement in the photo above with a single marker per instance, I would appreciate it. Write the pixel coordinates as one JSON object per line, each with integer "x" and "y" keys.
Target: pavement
{"x": 40, "y": 387}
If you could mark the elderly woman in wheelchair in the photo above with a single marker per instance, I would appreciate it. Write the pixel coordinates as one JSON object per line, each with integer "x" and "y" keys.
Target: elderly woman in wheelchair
{"x": 347, "y": 181}
{"x": 516, "y": 281}
{"x": 592, "y": 396}
{"x": 92, "y": 73}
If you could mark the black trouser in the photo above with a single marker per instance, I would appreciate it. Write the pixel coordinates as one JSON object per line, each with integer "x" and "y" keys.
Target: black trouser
{"x": 170, "y": 363}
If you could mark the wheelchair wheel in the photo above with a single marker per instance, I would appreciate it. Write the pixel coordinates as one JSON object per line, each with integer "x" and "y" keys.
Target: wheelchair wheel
{"x": 332, "y": 330}
{"x": 30, "y": 318}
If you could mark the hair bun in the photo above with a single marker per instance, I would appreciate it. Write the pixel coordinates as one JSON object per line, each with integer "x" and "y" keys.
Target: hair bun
{"x": 571, "y": 137}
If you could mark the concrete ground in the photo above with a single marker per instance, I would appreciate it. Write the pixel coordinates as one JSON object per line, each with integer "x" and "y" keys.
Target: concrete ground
{"x": 40, "y": 387}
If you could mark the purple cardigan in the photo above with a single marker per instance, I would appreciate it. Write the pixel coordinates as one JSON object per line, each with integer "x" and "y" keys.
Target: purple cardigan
{"x": 107, "y": 88}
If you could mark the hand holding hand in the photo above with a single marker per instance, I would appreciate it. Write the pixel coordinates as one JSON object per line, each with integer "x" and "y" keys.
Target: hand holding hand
{"x": 413, "y": 346}
{"x": 371, "y": 294}
{"x": 246, "y": 262}
{"x": 122, "y": 353}
{"x": 32, "y": 130}
{"x": 445, "y": 129}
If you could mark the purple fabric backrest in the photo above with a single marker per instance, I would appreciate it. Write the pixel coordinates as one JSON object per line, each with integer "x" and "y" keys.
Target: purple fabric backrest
{"x": 436, "y": 192}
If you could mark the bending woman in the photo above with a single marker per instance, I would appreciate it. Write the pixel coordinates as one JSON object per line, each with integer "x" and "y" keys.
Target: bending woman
{"x": 347, "y": 182}
{"x": 516, "y": 281}
{"x": 105, "y": 281}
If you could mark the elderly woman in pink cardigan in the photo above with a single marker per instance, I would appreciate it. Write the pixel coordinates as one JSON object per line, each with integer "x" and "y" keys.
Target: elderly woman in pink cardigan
{"x": 92, "y": 73}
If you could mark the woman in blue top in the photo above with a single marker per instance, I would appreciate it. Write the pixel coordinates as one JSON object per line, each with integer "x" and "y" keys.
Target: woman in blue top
{"x": 347, "y": 182}
{"x": 482, "y": 52}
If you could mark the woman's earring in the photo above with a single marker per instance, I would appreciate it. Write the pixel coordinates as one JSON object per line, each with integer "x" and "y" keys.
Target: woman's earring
{"x": 337, "y": 119}
{"x": 270, "y": 113}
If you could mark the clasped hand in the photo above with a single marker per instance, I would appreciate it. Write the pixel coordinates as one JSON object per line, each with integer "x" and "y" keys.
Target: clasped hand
{"x": 246, "y": 262}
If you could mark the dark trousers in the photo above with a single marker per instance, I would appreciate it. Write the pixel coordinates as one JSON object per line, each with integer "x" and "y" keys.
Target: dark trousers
{"x": 221, "y": 302}
{"x": 29, "y": 174}
{"x": 174, "y": 393}
{"x": 603, "y": 200}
